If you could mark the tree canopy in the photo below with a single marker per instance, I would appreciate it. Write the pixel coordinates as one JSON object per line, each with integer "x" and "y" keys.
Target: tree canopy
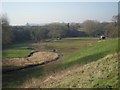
{"x": 91, "y": 28}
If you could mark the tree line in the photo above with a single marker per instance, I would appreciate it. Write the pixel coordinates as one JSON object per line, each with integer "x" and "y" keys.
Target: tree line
{"x": 89, "y": 28}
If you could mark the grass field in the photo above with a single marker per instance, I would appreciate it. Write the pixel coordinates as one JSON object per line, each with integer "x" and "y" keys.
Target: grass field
{"x": 75, "y": 51}
{"x": 17, "y": 50}
{"x": 64, "y": 47}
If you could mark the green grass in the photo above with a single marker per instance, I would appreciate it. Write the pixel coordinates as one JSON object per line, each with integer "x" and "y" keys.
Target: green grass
{"x": 104, "y": 74}
{"x": 16, "y": 53}
{"x": 100, "y": 49}
{"x": 75, "y": 51}
{"x": 17, "y": 50}
{"x": 64, "y": 46}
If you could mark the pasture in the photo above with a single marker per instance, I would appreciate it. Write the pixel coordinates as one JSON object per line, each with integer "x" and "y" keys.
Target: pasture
{"x": 75, "y": 51}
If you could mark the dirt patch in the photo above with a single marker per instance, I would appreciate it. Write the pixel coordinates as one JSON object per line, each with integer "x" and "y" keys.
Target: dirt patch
{"x": 35, "y": 59}
{"x": 90, "y": 44}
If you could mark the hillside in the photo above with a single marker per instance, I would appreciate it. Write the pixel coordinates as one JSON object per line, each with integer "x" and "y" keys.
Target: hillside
{"x": 102, "y": 73}
{"x": 77, "y": 53}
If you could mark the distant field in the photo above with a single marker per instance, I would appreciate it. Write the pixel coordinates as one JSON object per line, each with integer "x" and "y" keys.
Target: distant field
{"x": 75, "y": 51}
{"x": 64, "y": 46}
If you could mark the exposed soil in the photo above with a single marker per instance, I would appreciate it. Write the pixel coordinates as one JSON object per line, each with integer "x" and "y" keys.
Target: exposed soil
{"x": 37, "y": 58}
{"x": 90, "y": 44}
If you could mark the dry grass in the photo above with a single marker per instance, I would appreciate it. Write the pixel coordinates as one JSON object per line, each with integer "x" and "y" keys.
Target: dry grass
{"x": 36, "y": 58}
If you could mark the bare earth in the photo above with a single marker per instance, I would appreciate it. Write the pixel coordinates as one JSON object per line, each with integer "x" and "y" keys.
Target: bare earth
{"x": 36, "y": 58}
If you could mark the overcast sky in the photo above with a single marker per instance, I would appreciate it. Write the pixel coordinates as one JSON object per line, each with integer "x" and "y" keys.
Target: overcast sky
{"x": 19, "y": 13}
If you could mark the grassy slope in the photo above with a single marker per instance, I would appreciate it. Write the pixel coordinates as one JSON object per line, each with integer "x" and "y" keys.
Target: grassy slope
{"x": 78, "y": 56}
{"x": 100, "y": 74}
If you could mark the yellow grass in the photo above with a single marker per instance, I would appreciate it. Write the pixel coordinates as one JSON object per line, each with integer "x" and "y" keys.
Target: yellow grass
{"x": 36, "y": 58}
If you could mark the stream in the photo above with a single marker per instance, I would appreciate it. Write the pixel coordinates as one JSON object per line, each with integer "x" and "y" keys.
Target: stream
{"x": 33, "y": 65}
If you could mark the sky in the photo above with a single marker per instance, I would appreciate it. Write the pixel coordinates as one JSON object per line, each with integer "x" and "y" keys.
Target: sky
{"x": 20, "y": 13}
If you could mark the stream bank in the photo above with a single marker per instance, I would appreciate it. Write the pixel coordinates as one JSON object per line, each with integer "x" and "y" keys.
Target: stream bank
{"x": 34, "y": 59}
